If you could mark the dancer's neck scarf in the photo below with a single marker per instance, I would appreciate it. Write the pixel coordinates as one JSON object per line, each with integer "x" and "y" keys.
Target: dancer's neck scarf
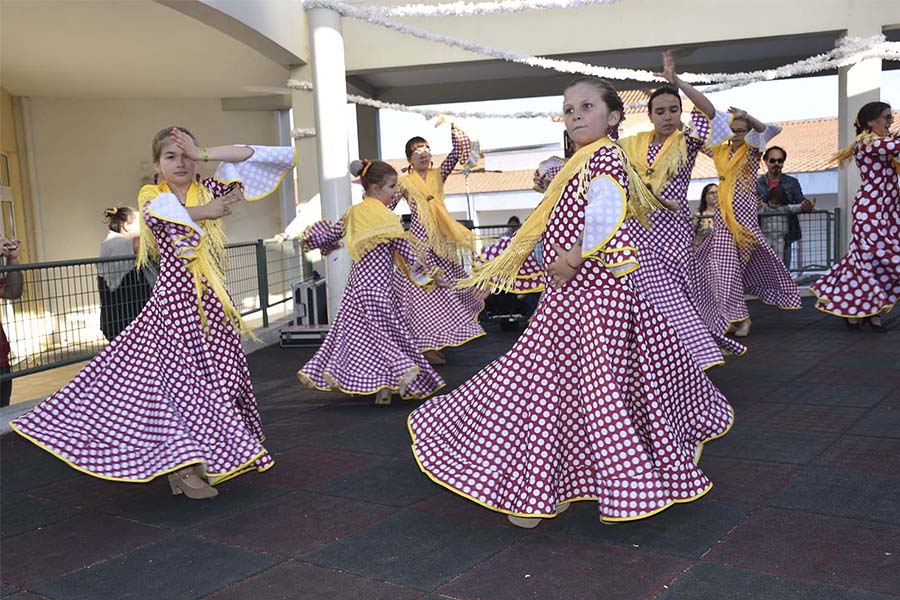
{"x": 731, "y": 167}
{"x": 207, "y": 261}
{"x": 500, "y": 272}
{"x": 368, "y": 225}
{"x": 446, "y": 236}
{"x": 670, "y": 158}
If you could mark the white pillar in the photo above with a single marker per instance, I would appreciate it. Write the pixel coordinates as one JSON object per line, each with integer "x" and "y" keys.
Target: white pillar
{"x": 858, "y": 84}
{"x": 330, "y": 96}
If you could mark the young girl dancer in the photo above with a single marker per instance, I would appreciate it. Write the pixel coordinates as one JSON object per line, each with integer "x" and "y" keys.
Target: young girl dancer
{"x": 598, "y": 399}
{"x": 865, "y": 283}
{"x": 669, "y": 277}
{"x": 171, "y": 394}
{"x": 735, "y": 255}
{"x": 446, "y": 317}
{"x": 370, "y": 349}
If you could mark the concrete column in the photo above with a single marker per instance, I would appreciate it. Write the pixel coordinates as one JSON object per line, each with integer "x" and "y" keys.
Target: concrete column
{"x": 857, "y": 85}
{"x": 330, "y": 98}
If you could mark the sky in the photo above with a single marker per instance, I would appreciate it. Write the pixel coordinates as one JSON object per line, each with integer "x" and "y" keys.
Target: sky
{"x": 784, "y": 100}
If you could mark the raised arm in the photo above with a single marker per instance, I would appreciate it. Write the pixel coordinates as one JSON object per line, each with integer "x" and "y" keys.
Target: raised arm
{"x": 462, "y": 147}
{"x": 700, "y": 101}
{"x": 233, "y": 154}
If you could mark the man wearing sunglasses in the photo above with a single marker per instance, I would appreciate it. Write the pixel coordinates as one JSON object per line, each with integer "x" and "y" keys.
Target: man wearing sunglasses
{"x": 774, "y": 176}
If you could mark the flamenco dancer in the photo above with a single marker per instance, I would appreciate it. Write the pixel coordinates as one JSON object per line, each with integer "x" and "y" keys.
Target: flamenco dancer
{"x": 735, "y": 256}
{"x": 598, "y": 399}
{"x": 865, "y": 283}
{"x": 369, "y": 350}
{"x": 669, "y": 277}
{"x": 446, "y": 317}
{"x": 171, "y": 394}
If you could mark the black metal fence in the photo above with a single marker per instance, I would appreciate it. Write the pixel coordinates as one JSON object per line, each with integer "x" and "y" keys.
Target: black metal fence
{"x": 67, "y": 309}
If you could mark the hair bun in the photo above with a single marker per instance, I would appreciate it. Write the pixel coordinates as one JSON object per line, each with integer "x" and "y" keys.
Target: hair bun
{"x": 110, "y": 212}
{"x": 356, "y": 167}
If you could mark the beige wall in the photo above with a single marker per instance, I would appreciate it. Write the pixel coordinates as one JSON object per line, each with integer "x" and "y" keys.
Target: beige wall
{"x": 92, "y": 154}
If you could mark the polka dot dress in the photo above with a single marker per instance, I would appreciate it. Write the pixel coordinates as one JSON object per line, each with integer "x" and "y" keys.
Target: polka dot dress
{"x": 866, "y": 281}
{"x": 368, "y": 347}
{"x": 165, "y": 393}
{"x": 762, "y": 274}
{"x": 669, "y": 277}
{"x": 598, "y": 399}
{"x": 530, "y": 278}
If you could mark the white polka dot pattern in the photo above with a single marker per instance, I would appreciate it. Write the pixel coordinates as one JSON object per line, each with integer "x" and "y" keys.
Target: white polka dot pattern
{"x": 446, "y": 316}
{"x": 597, "y": 400}
{"x": 261, "y": 173}
{"x": 761, "y": 273}
{"x": 162, "y": 394}
{"x": 530, "y": 278}
{"x": 369, "y": 347}
{"x": 866, "y": 280}
{"x": 669, "y": 277}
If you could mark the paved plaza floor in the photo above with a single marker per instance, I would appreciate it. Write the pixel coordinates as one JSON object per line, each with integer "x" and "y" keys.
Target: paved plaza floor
{"x": 806, "y": 502}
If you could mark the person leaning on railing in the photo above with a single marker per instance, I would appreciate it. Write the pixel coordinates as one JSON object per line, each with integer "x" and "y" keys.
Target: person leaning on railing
{"x": 776, "y": 218}
{"x": 706, "y": 213}
{"x": 10, "y": 288}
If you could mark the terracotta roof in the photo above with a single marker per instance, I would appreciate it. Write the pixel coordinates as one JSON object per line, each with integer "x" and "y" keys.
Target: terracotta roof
{"x": 810, "y": 146}
{"x": 635, "y": 97}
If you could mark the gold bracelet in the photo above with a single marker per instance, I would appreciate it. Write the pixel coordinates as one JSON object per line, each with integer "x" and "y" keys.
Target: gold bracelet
{"x": 205, "y": 153}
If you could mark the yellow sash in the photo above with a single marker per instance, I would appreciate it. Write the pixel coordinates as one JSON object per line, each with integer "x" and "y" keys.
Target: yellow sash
{"x": 207, "y": 263}
{"x": 446, "y": 236}
{"x": 730, "y": 170}
{"x": 669, "y": 159}
{"x": 500, "y": 272}
{"x": 368, "y": 225}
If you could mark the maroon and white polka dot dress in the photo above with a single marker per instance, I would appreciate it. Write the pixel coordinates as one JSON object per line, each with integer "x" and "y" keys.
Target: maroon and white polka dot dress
{"x": 446, "y": 316}
{"x": 597, "y": 400}
{"x": 866, "y": 281}
{"x": 530, "y": 278}
{"x": 369, "y": 347}
{"x": 167, "y": 392}
{"x": 669, "y": 276}
{"x": 762, "y": 274}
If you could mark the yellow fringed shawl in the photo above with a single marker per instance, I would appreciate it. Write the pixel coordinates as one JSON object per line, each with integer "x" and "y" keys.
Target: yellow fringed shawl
{"x": 500, "y": 272}
{"x": 865, "y": 138}
{"x": 669, "y": 159}
{"x": 730, "y": 169}
{"x": 207, "y": 262}
{"x": 446, "y": 236}
{"x": 368, "y": 225}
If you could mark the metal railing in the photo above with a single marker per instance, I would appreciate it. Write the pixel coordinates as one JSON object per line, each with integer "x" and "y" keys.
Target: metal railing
{"x": 66, "y": 311}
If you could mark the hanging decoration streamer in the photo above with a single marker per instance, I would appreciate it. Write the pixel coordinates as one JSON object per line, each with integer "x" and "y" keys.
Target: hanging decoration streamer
{"x": 847, "y": 51}
{"x": 477, "y": 9}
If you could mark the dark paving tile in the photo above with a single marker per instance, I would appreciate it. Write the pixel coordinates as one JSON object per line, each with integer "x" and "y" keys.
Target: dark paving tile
{"x": 299, "y": 581}
{"x": 178, "y": 569}
{"x": 738, "y": 481}
{"x": 391, "y": 481}
{"x": 857, "y": 495}
{"x": 836, "y": 551}
{"x": 166, "y": 510}
{"x": 683, "y": 530}
{"x": 27, "y": 596}
{"x": 705, "y": 581}
{"x": 452, "y": 506}
{"x": 294, "y": 523}
{"x": 871, "y": 455}
{"x": 8, "y": 590}
{"x": 47, "y": 553}
{"x": 19, "y": 513}
{"x": 90, "y": 492}
{"x": 414, "y": 549}
{"x": 750, "y": 370}
{"x": 787, "y": 417}
{"x": 758, "y": 443}
{"x": 388, "y": 437}
{"x": 33, "y": 469}
{"x": 837, "y": 373}
{"x": 892, "y": 400}
{"x": 552, "y": 569}
{"x": 834, "y": 394}
{"x": 305, "y": 466}
{"x": 879, "y": 423}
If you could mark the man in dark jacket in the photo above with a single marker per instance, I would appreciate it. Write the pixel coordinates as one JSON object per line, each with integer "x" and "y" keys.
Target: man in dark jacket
{"x": 774, "y": 176}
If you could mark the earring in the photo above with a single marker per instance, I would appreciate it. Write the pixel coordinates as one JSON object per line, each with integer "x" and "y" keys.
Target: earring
{"x": 197, "y": 177}
{"x": 156, "y": 179}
